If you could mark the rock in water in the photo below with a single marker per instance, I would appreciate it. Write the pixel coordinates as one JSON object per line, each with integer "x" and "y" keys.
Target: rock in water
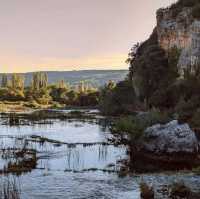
{"x": 170, "y": 138}
{"x": 172, "y": 146}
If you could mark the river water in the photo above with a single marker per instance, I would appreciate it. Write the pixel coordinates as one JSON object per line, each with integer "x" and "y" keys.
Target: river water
{"x": 76, "y": 161}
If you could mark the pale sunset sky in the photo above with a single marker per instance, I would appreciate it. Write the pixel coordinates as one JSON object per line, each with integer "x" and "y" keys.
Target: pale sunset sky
{"x": 39, "y": 35}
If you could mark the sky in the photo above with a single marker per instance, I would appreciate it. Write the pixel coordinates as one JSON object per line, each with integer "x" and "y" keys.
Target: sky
{"x": 40, "y": 35}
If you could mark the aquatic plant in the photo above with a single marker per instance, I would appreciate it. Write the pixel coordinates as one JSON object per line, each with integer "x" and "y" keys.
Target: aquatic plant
{"x": 19, "y": 160}
{"x": 196, "y": 170}
{"x": 9, "y": 188}
{"x": 180, "y": 190}
{"x": 147, "y": 191}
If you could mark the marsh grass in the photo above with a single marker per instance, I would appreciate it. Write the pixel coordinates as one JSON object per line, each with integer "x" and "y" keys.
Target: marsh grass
{"x": 10, "y": 188}
{"x": 196, "y": 170}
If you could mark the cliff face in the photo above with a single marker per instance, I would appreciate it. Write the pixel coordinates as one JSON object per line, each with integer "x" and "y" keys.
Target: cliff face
{"x": 181, "y": 31}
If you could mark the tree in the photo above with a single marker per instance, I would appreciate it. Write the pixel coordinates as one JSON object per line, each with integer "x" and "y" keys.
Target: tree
{"x": 59, "y": 92}
{"x": 62, "y": 84}
{"x": 117, "y": 99}
{"x": 39, "y": 81}
{"x": 152, "y": 70}
{"x": 4, "y": 81}
{"x": 17, "y": 82}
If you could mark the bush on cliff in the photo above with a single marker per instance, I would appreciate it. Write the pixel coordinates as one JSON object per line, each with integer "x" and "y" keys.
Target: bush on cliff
{"x": 153, "y": 71}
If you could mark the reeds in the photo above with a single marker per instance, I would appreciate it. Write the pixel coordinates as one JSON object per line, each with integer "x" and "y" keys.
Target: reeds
{"x": 10, "y": 188}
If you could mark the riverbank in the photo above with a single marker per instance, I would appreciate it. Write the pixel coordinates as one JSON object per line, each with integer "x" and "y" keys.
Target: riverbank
{"x": 28, "y": 107}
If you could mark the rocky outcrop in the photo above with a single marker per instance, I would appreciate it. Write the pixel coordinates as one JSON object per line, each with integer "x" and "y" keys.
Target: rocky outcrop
{"x": 181, "y": 31}
{"x": 170, "y": 138}
{"x": 172, "y": 146}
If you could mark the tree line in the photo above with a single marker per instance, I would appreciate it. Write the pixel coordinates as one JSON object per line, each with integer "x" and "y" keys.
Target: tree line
{"x": 40, "y": 92}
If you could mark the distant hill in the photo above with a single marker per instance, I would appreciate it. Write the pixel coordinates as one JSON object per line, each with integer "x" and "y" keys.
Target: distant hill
{"x": 96, "y": 78}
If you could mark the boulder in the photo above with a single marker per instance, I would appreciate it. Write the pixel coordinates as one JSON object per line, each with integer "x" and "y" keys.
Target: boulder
{"x": 172, "y": 146}
{"x": 170, "y": 138}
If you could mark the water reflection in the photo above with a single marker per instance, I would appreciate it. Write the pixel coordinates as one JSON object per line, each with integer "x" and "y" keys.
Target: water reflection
{"x": 70, "y": 155}
{"x": 70, "y": 131}
{"x": 70, "y": 145}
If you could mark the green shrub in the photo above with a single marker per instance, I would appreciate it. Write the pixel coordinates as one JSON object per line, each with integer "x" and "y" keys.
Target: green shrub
{"x": 196, "y": 12}
{"x": 129, "y": 125}
{"x": 187, "y": 109}
{"x": 176, "y": 8}
{"x": 118, "y": 100}
{"x": 187, "y": 3}
{"x": 195, "y": 120}
{"x": 135, "y": 125}
{"x": 154, "y": 116}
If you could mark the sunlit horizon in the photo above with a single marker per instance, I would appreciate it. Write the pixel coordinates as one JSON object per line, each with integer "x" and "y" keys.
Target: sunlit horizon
{"x": 72, "y": 35}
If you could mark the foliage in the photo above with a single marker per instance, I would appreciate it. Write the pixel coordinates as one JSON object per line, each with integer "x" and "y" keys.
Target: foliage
{"x": 129, "y": 125}
{"x": 185, "y": 3}
{"x": 152, "y": 71}
{"x": 87, "y": 99}
{"x": 195, "y": 120}
{"x": 186, "y": 109}
{"x": 117, "y": 99}
{"x": 177, "y": 7}
{"x": 72, "y": 96}
{"x": 134, "y": 126}
{"x": 4, "y": 81}
{"x": 154, "y": 116}
{"x": 194, "y": 4}
{"x": 17, "y": 82}
{"x": 39, "y": 81}
{"x": 59, "y": 93}
{"x": 56, "y": 105}
{"x": 196, "y": 11}
{"x": 188, "y": 3}
{"x": 152, "y": 80}
{"x": 189, "y": 99}
{"x": 40, "y": 93}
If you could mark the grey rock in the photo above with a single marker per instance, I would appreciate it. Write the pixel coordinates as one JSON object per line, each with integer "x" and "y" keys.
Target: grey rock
{"x": 170, "y": 138}
{"x": 183, "y": 32}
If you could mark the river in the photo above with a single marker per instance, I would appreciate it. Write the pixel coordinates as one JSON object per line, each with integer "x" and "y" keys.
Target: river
{"x": 76, "y": 161}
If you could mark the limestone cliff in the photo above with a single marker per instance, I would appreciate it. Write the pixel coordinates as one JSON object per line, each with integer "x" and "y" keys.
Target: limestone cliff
{"x": 181, "y": 30}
